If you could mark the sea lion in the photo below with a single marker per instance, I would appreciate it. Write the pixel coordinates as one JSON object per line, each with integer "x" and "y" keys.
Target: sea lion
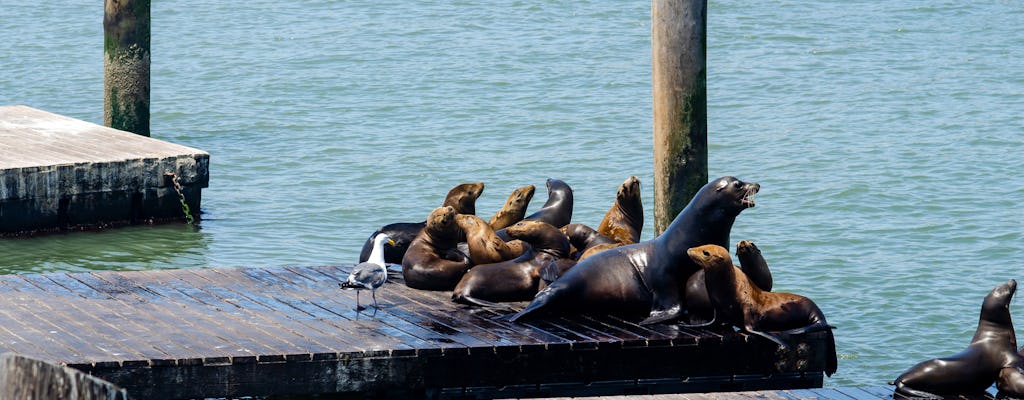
{"x": 1010, "y": 382}
{"x": 647, "y": 278}
{"x": 753, "y": 264}
{"x": 518, "y": 279}
{"x": 971, "y": 371}
{"x": 557, "y": 210}
{"x": 514, "y": 209}
{"x": 740, "y": 303}
{"x": 461, "y": 197}
{"x": 484, "y": 246}
{"x": 433, "y": 261}
{"x": 625, "y": 219}
{"x": 583, "y": 237}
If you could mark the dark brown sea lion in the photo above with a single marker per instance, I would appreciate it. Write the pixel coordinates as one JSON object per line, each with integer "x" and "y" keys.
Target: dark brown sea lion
{"x": 518, "y": 279}
{"x": 514, "y": 209}
{"x": 753, "y": 264}
{"x": 1010, "y": 382}
{"x": 583, "y": 237}
{"x": 484, "y": 246}
{"x": 971, "y": 371}
{"x": 647, "y": 278}
{"x": 433, "y": 261}
{"x": 740, "y": 303}
{"x": 461, "y": 197}
{"x": 625, "y": 219}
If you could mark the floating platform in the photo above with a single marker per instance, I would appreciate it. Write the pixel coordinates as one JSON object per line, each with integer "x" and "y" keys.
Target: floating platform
{"x": 231, "y": 332}
{"x": 854, "y": 393}
{"x": 59, "y": 173}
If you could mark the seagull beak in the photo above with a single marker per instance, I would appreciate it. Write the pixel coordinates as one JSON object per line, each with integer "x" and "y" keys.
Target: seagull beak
{"x": 391, "y": 242}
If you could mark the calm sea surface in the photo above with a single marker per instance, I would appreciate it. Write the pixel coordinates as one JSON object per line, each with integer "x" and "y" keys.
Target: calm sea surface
{"x": 888, "y": 137}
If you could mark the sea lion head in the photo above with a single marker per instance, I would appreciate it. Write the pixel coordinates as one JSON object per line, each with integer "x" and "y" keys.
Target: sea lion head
{"x": 710, "y": 256}
{"x": 468, "y": 222}
{"x": 463, "y": 197}
{"x": 629, "y": 190}
{"x": 442, "y": 219}
{"x": 996, "y": 307}
{"x": 558, "y": 191}
{"x": 521, "y": 197}
{"x": 541, "y": 235}
{"x": 738, "y": 194}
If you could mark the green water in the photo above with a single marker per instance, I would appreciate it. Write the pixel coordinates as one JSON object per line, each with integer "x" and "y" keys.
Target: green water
{"x": 887, "y": 137}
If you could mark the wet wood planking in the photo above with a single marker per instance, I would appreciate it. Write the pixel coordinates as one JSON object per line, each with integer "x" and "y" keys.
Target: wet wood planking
{"x": 141, "y": 328}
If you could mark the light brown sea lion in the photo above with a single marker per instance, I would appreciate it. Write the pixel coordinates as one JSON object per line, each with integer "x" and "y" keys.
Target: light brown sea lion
{"x": 484, "y": 246}
{"x": 518, "y": 279}
{"x": 514, "y": 209}
{"x": 974, "y": 369}
{"x": 740, "y": 303}
{"x": 433, "y": 261}
{"x": 625, "y": 219}
{"x": 753, "y": 264}
{"x": 461, "y": 197}
{"x": 647, "y": 278}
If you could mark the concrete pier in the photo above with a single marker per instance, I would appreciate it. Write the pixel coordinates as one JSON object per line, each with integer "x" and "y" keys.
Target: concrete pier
{"x": 60, "y": 173}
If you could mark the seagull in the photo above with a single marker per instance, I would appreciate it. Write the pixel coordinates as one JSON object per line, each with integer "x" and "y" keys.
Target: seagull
{"x": 370, "y": 274}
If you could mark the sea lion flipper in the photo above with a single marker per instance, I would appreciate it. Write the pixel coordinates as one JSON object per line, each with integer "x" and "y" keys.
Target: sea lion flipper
{"x": 773, "y": 337}
{"x": 714, "y": 315}
{"x": 663, "y": 315}
{"x": 916, "y": 394}
{"x": 482, "y": 303}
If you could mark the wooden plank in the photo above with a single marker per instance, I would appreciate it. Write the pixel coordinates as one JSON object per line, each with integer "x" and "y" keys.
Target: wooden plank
{"x": 167, "y": 323}
{"x": 95, "y": 318}
{"x": 363, "y": 331}
{"x": 323, "y": 321}
{"x": 428, "y": 316}
{"x": 259, "y": 316}
{"x": 333, "y": 300}
{"x": 173, "y": 311}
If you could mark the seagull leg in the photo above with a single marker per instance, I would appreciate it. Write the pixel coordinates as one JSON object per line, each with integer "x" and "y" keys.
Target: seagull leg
{"x": 358, "y": 307}
{"x": 374, "y": 294}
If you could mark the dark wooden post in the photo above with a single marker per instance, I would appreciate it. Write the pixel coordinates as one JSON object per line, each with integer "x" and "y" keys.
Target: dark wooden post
{"x": 126, "y": 65}
{"x": 678, "y": 44}
{"x": 28, "y": 378}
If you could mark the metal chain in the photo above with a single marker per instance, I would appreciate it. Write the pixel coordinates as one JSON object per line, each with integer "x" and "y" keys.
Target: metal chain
{"x": 181, "y": 197}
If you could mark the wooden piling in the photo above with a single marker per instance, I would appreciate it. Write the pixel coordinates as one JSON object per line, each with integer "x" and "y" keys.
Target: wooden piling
{"x": 678, "y": 44}
{"x": 126, "y": 32}
{"x": 28, "y": 378}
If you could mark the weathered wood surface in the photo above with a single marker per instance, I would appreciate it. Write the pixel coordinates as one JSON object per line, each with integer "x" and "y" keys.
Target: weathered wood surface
{"x": 284, "y": 330}
{"x": 59, "y": 172}
{"x": 679, "y": 91}
{"x": 28, "y": 378}
{"x": 844, "y": 393}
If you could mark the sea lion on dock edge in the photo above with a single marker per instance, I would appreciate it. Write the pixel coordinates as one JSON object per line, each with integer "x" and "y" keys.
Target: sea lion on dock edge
{"x": 753, "y": 264}
{"x": 625, "y": 219}
{"x": 518, "y": 279}
{"x": 461, "y": 197}
{"x": 973, "y": 370}
{"x": 740, "y": 303}
{"x": 514, "y": 209}
{"x": 433, "y": 261}
{"x": 485, "y": 247}
{"x": 647, "y": 278}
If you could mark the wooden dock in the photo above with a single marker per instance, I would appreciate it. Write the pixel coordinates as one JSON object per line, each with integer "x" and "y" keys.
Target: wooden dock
{"x": 231, "y": 332}
{"x": 854, "y": 393}
{"x": 62, "y": 173}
